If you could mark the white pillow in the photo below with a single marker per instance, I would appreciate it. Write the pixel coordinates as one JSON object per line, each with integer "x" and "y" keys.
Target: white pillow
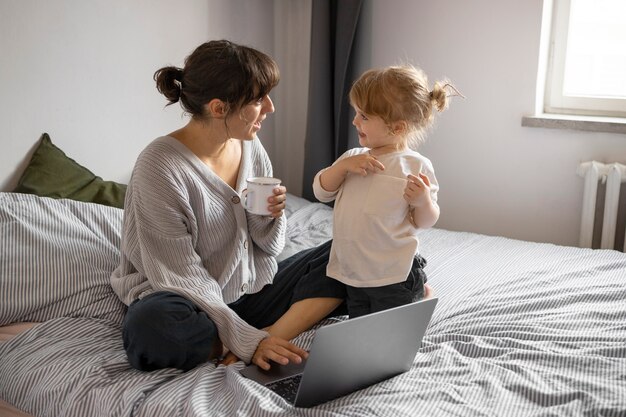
{"x": 56, "y": 258}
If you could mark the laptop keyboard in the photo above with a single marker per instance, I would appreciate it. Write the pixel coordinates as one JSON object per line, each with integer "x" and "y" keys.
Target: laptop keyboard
{"x": 286, "y": 388}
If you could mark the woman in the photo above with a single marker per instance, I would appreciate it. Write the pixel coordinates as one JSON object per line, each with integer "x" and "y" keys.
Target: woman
{"x": 197, "y": 271}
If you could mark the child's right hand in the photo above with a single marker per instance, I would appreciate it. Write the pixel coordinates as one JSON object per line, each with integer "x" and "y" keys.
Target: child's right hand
{"x": 361, "y": 164}
{"x": 333, "y": 176}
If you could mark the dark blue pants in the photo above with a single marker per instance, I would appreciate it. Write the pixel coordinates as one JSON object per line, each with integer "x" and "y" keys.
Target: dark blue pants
{"x": 165, "y": 330}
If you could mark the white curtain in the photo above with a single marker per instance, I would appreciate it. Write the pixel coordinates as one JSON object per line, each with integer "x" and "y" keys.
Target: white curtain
{"x": 292, "y": 44}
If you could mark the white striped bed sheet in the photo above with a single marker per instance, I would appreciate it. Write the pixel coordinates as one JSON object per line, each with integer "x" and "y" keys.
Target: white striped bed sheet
{"x": 7, "y": 333}
{"x": 521, "y": 329}
{"x": 56, "y": 259}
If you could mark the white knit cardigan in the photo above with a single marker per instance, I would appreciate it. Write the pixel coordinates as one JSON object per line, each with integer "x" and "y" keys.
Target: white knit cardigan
{"x": 185, "y": 231}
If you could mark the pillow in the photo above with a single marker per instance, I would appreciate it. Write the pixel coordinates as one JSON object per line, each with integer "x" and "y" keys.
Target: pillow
{"x": 57, "y": 259}
{"x": 50, "y": 173}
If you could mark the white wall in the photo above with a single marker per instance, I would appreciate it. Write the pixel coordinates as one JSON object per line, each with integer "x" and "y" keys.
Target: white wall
{"x": 82, "y": 71}
{"x": 496, "y": 177}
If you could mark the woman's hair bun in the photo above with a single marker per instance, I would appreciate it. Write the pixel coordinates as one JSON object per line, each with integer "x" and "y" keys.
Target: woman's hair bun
{"x": 169, "y": 83}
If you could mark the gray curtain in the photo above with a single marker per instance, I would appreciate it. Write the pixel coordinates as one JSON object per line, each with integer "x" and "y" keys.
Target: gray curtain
{"x": 333, "y": 36}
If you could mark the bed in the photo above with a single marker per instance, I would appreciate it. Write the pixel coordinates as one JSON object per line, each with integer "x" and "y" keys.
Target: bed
{"x": 521, "y": 329}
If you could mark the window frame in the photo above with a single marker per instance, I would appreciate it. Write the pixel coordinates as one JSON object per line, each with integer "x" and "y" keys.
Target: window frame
{"x": 554, "y": 101}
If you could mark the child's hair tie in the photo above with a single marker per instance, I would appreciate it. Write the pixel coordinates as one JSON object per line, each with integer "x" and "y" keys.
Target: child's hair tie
{"x": 455, "y": 92}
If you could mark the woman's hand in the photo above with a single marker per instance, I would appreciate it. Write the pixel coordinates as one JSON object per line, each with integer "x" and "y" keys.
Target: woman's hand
{"x": 279, "y": 350}
{"x": 277, "y": 201}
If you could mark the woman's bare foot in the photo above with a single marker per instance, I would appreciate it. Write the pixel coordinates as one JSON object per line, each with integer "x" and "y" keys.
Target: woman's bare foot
{"x": 228, "y": 359}
{"x": 217, "y": 350}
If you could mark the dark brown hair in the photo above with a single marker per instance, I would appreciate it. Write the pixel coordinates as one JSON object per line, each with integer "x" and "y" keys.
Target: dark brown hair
{"x": 232, "y": 73}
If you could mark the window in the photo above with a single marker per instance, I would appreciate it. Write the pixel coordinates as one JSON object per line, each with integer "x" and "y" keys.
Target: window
{"x": 586, "y": 66}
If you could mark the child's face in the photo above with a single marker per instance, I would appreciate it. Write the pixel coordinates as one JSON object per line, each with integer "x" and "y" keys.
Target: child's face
{"x": 373, "y": 131}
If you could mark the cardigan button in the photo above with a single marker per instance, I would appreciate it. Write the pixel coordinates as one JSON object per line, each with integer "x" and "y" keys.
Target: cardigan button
{"x": 244, "y": 287}
{"x": 235, "y": 200}
{"x": 245, "y": 244}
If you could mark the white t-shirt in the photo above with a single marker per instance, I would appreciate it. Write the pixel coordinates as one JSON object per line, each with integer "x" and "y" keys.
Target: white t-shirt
{"x": 374, "y": 242}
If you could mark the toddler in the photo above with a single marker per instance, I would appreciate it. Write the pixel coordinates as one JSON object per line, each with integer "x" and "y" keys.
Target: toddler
{"x": 383, "y": 191}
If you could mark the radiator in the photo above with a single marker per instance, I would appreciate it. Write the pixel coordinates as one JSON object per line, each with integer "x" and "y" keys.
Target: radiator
{"x": 612, "y": 175}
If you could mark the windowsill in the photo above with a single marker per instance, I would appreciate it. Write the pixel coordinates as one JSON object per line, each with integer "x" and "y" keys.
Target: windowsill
{"x": 586, "y": 123}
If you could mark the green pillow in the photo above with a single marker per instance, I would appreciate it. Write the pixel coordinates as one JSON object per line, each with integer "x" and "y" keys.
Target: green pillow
{"x": 51, "y": 173}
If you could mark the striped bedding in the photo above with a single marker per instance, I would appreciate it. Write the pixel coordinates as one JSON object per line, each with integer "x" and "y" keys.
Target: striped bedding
{"x": 521, "y": 329}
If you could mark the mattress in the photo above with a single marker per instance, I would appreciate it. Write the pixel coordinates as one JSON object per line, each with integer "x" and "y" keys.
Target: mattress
{"x": 521, "y": 328}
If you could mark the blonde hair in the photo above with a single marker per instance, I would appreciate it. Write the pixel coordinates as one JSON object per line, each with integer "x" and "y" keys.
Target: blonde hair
{"x": 400, "y": 93}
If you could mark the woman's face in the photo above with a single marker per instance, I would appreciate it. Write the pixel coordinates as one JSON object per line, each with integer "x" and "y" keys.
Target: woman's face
{"x": 245, "y": 123}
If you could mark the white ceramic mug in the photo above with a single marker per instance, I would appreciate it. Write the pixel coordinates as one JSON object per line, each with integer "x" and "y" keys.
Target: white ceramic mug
{"x": 254, "y": 198}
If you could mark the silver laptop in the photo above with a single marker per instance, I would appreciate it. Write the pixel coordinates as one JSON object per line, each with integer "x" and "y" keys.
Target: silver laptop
{"x": 351, "y": 355}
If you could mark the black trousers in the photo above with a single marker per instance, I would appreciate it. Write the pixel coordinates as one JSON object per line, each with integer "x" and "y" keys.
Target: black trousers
{"x": 363, "y": 300}
{"x": 164, "y": 329}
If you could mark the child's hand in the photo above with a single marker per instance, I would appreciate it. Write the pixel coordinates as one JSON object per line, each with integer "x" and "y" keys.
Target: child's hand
{"x": 417, "y": 191}
{"x": 362, "y": 164}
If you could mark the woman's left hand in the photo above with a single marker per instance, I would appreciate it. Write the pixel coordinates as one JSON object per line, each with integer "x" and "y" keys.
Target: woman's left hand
{"x": 279, "y": 350}
{"x": 277, "y": 201}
